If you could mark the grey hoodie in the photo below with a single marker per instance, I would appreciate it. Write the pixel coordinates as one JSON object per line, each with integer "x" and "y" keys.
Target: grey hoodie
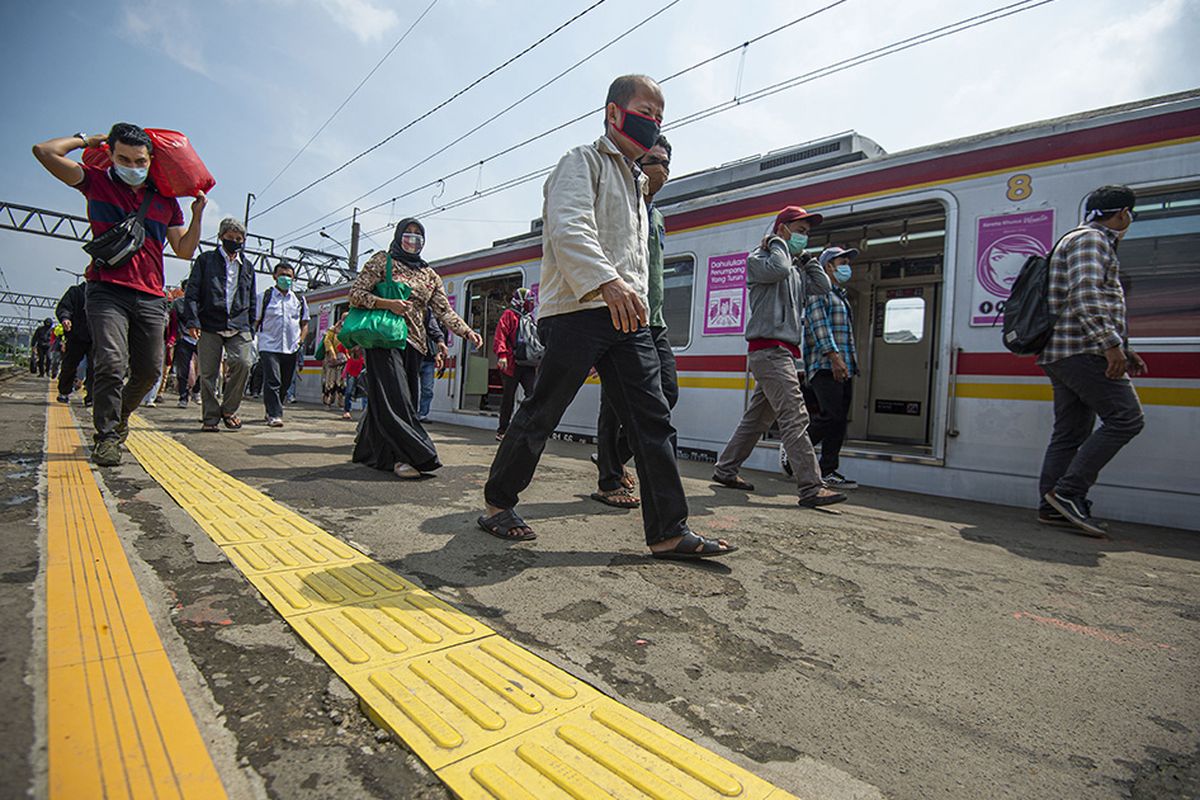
{"x": 779, "y": 291}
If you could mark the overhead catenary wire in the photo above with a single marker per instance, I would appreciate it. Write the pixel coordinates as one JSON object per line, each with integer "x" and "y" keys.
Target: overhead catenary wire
{"x": 480, "y": 126}
{"x": 831, "y": 69}
{"x": 349, "y": 97}
{"x": 292, "y": 235}
{"x": 433, "y": 110}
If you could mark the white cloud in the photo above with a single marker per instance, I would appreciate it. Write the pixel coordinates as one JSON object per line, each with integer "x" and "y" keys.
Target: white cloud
{"x": 169, "y": 28}
{"x": 363, "y": 18}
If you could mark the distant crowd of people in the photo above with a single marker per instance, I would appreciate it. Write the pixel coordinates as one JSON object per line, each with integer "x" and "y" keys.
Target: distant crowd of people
{"x": 600, "y": 311}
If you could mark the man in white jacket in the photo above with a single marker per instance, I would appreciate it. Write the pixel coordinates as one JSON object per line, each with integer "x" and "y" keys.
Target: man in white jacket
{"x": 594, "y": 282}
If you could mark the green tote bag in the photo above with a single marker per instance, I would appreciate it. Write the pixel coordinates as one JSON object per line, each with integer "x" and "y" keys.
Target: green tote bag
{"x": 378, "y": 327}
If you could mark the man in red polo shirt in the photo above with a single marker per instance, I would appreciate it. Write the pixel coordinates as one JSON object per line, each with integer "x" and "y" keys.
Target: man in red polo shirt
{"x": 126, "y": 306}
{"x": 780, "y": 276}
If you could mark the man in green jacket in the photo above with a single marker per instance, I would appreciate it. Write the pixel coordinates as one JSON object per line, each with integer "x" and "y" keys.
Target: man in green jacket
{"x": 613, "y": 448}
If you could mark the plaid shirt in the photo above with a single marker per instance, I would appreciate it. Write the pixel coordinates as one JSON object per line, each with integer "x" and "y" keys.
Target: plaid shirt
{"x": 828, "y": 329}
{"x": 1085, "y": 291}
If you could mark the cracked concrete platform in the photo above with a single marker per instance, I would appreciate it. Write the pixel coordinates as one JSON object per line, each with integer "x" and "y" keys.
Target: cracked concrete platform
{"x": 913, "y": 647}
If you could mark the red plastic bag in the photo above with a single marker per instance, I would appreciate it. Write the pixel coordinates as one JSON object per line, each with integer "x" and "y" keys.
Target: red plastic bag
{"x": 176, "y": 170}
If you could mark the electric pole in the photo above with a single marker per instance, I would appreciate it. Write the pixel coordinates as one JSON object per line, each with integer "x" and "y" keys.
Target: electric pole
{"x": 354, "y": 242}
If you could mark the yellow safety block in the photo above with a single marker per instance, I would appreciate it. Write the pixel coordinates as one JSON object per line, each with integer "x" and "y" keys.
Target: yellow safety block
{"x": 118, "y": 725}
{"x": 492, "y": 719}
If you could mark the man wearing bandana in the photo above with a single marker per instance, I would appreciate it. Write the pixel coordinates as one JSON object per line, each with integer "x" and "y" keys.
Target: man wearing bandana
{"x": 594, "y": 312}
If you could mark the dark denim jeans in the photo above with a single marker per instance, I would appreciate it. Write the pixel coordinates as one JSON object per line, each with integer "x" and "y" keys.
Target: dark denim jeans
{"x": 127, "y": 339}
{"x": 278, "y": 371}
{"x": 613, "y": 449}
{"x": 1077, "y": 453}
{"x": 828, "y": 404}
{"x": 629, "y": 369}
{"x": 428, "y": 374}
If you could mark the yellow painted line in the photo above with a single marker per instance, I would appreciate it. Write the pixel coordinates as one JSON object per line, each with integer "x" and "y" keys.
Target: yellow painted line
{"x": 1149, "y": 395}
{"x": 119, "y": 725}
{"x": 493, "y": 720}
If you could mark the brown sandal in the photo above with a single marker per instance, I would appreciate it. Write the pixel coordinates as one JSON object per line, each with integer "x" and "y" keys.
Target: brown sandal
{"x": 232, "y": 421}
{"x": 617, "y": 498}
{"x": 735, "y": 482}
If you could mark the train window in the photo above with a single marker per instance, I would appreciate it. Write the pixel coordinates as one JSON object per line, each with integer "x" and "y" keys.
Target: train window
{"x": 1160, "y": 265}
{"x": 904, "y": 320}
{"x": 679, "y": 273}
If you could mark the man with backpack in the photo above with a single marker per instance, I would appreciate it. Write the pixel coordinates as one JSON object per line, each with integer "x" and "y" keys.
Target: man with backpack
{"x": 39, "y": 348}
{"x": 613, "y": 450}
{"x": 127, "y": 308}
{"x": 282, "y": 328}
{"x": 518, "y": 353}
{"x": 220, "y": 316}
{"x": 1088, "y": 360}
{"x": 72, "y": 313}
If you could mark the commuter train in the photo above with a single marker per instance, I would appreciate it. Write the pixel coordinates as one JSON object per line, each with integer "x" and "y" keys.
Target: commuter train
{"x": 940, "y": 407}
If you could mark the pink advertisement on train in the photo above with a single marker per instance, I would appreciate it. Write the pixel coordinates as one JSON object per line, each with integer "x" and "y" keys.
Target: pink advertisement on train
{"x": 1003, "y": 243}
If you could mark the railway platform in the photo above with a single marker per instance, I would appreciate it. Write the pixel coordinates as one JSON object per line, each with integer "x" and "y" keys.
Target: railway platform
{"x": 248, "y": 614}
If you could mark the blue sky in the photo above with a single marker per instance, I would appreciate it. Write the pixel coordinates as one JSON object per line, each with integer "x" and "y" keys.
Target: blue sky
{"x": 250, "y": 81}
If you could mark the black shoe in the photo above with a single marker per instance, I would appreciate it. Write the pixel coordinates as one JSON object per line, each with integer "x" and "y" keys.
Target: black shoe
{"x": 818, "y": 500}
{"x": 1048, "y": 516}
{"x": 1076, "y": 511}
{"x": 122, "y": 431}
{"x": 87, "y": 402}
{"x": 62, "y": 398}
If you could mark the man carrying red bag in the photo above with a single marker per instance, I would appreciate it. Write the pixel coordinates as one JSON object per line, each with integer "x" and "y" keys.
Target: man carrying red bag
{"x": 126, "y": 305}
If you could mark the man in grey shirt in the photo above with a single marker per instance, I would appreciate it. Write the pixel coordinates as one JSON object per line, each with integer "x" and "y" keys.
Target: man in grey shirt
{"x": 780, "y": 276}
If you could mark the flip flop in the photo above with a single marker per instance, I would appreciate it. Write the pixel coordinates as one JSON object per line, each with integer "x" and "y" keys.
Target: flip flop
{"x": 610, "y": 498}
{"x": 503, "y": 524}
{"x": 210, "y": 427}
{"x": 232, "y": 421}
{"x": 686, "y": 549}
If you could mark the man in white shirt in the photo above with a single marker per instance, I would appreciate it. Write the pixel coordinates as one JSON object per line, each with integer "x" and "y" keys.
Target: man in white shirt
{"x": 282, "y": 328}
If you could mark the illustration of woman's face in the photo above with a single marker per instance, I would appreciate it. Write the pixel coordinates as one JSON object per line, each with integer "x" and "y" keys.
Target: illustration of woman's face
{"x": 1005, "y": 266}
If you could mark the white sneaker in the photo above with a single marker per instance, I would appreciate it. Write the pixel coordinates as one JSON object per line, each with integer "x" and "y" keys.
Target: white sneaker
{"x": 837, "y": 481}
{"x": 784, "y": 464}
{"x": 274, "y": 422}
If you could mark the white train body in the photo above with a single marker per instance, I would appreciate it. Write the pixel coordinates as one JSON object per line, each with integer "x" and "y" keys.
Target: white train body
{"x": 940, "y": 407}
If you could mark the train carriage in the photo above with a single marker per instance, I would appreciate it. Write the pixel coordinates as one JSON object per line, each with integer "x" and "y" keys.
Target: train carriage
{"x": 940, "y": 408}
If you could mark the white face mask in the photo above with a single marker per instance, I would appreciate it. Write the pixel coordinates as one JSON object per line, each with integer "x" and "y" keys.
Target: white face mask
{"x": 134, "y": 176}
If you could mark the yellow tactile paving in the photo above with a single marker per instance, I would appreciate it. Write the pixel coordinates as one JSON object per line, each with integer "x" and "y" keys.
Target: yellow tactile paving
{"x": 118, "y": 722}
{"x": 492, "y": 719}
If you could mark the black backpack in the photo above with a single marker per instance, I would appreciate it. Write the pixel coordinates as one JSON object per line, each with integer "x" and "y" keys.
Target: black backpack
{"x": 529, "y": 348}
{"x": 1028, "y": 323}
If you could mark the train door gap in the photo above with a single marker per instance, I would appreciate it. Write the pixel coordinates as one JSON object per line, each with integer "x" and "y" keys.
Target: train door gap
{"x": 894, "y": 294}
{"x": 486, "y": 300}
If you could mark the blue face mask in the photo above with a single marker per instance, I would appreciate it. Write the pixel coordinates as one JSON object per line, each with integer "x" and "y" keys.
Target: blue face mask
{"x": 134, "y": 176}
{"x": 797, "y": 243}
{"x": 842, "y": 273}
{"x": 284, "y": 283}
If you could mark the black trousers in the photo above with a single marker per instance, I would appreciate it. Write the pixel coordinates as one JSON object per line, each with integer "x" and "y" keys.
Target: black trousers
{"x": 127, "y": 338}
{"x": 613, "y": 449}
{"x": 77, "y": 350}
{"x": 278, "y": 371}
{"x": 40, "y": 362}
{"x": 1078, "y": 450}
{"x": 185, "y": 351}
{"x": 630, "y": 372}
{"x": 525, "y": 377}
{"x": 828, "y": 403}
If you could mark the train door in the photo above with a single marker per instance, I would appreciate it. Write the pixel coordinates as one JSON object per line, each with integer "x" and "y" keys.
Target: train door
{"x": 902, "y": 357}
{"x": 894, "y": 293}
{"x": 486, "y": 300}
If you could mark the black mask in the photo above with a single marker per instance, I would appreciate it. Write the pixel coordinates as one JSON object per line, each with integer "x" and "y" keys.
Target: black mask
{"x": 641, "y": 130}
{"x": 231, "y": 246}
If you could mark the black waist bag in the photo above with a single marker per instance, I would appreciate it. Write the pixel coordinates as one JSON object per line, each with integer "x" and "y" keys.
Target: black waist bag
{"x": 117, "y": 245}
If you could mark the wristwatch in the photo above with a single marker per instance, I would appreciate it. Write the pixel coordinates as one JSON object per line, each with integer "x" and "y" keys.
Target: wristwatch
{"x": 83, "y": 137}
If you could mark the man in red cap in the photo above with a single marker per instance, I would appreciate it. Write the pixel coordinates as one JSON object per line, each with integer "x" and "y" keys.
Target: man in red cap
{"x": 780, "y": 276}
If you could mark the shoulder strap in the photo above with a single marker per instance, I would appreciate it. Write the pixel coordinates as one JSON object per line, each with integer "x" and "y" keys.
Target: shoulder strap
{"x": 266, "y": 301}
{"x": 147, "y": 198}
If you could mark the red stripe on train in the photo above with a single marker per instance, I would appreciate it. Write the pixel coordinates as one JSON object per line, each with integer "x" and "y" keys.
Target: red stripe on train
{"x": 1161, "y": 365}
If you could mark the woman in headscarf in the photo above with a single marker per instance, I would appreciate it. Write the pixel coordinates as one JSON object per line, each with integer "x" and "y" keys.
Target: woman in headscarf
{"x": 390, "y": 436}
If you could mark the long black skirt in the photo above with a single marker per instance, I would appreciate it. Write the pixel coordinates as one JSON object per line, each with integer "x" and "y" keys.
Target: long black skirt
{"x": 390, "y": 433}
